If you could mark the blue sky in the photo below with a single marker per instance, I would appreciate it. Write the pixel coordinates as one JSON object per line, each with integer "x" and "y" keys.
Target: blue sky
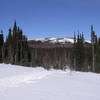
{"x": 51, "y": 18}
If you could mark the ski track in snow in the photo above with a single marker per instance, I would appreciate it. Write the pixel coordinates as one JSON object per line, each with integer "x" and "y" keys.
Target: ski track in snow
{"x": 15, "y": 81}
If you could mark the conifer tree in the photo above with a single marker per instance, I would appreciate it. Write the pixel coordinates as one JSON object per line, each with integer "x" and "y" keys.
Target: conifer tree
{"x": 16, "y": 47}
{"x": 1, "y": 46}
{"x": 79, "y": 52}
{"x": 93, "y": 43}
{"x": 9, "y": 47}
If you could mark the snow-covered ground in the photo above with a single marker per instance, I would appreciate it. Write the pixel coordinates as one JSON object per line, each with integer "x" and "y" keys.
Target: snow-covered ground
{"x": 23, "y": 83}
{"x": 58, "y": 40}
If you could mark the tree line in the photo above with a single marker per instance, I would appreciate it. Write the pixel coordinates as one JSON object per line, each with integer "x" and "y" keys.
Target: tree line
{"x": 14, "y": 49}
{"x": 86, "y": 57}
{"x": 80, "y": 55}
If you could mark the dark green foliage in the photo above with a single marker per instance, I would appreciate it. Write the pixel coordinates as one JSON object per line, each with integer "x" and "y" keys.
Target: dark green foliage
{"x": 78, "y": 53}
{"x": 16, "y": 50}
{"x": 97, "y": 56}
{"x": 1, "y": 46}
{"x": 86, "y": 57}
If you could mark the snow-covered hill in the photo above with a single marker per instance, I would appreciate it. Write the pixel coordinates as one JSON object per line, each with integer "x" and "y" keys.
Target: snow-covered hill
{"x": 58, "y": 40}
{"x": 23, "y": 83}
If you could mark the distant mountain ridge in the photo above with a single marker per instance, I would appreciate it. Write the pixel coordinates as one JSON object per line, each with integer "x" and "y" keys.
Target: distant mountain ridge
{"x": 57, "y": 40}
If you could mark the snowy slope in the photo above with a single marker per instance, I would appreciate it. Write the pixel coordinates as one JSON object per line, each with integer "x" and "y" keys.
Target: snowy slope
{"x": 22, "y": 83}
{"x": 58, "y": 40}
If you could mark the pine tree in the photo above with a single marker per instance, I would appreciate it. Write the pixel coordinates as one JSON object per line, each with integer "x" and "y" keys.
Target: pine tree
{"x": 9, "y": 43}
{"x": 97, "y": 56}
{"x": 16, "y": 47}
{"x": 93, "y": 42}
{"x": 79, "y": 52}
{"x": 1, "y": 46}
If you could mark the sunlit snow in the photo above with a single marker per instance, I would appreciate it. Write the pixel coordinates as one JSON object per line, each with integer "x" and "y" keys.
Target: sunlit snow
{"x": 23, "y": 83}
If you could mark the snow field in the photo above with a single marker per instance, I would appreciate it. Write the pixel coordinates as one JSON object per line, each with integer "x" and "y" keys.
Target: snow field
{"x": 23, "y": 83}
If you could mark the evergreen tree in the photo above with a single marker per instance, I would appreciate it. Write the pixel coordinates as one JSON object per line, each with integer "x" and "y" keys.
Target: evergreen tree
{"x": 1, "y": 46}
{"x": 79, "y": 52}
{"x": 9, "y": 48}
{"x": 97, "y": 56}
{"x": 93, "y": 43}
{"x": 16, "y": 47}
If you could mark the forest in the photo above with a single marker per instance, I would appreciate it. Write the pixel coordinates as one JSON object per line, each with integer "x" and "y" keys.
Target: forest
{"x": 80, "y": 56}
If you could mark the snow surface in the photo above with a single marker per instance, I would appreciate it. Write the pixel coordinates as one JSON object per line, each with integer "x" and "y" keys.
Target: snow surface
{"x": 58, "y": 40}
{"x": 23, "y": 83}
